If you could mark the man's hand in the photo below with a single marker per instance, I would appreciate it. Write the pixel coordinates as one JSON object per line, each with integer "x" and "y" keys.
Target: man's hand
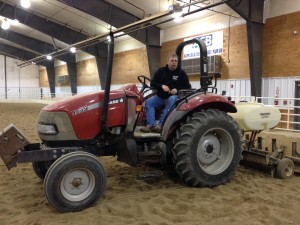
{"x": 173, "y": 91}
{"x": 165, "y": 88}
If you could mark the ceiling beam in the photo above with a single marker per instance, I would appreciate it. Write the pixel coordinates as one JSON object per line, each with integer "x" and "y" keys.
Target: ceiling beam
{"x": 42, "y": 48}
{"x": 55, "y": 30}
{"x": 37, "y": 46}
{"x": 18, "y": 53}
{"x": 116, "y": 17}
{"x": 44, "y": 25}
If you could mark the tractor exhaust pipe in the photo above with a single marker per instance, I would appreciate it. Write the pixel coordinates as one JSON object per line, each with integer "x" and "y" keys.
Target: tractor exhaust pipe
{"x": 107, "y": 83}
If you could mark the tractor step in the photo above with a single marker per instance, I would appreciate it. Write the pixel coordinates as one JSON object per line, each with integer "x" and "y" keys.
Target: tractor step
{"x": 149, "y": 174}
{"x": 149, "y": 157}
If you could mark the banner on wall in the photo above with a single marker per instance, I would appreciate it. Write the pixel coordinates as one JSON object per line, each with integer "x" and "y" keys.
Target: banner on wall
{"x": 213, "y": 41}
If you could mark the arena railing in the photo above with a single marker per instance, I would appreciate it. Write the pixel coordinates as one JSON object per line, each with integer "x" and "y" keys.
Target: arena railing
{"x": 289, "y": 107}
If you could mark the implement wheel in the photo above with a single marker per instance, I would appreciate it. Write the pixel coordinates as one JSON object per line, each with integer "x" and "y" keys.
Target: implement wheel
{"x": 208, "y": 149}
{"x": 75, "y": 181}
{"x": 285, "y": 168}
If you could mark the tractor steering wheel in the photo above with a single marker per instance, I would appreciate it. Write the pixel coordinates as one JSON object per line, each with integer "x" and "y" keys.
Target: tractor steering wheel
{"x": 143, "y": 80}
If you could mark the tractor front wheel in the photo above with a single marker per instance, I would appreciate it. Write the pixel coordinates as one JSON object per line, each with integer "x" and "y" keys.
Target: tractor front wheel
{"x": 207, "y": 148}
{"x": 75, "y": 181}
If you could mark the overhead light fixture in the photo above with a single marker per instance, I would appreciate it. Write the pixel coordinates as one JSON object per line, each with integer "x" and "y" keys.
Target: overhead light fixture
{"x": 73, "y": 49}
{"x": 177, "y": 16}
{"x": 25, "y": 4}
{"x": 49, "y": 57}
{"x": 5, "y": 24}
{"x": 177, "y": 12}
{"x": 14, "y": 22}
{"x": 178, "y": 19}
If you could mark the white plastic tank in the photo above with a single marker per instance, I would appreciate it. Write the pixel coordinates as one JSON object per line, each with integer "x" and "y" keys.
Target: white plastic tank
{"x": 253, "y": 116}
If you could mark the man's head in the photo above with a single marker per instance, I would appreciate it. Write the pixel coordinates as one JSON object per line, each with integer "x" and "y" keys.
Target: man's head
{"x": 172, "y": 61}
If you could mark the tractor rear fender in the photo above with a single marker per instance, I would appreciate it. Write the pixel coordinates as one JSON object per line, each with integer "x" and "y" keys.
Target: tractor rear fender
{"x": 192, "y": 104}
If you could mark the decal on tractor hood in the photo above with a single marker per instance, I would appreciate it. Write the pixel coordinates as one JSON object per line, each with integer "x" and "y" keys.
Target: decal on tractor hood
{"x": 80, "y": 110}
{"x": 115, "y": 101}
{"x": 85, "y": 108}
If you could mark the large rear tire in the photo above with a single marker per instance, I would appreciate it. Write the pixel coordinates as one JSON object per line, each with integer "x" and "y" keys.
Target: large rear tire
{"x": 207, "y": 148}
{"x": 75, "y": 181}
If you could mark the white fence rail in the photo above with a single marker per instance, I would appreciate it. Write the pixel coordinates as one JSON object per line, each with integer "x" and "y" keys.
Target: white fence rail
{"x": 289, "y": 111}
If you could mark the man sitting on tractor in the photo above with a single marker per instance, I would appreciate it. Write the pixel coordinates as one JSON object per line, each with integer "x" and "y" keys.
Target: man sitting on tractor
{"x": 167, "y": 81}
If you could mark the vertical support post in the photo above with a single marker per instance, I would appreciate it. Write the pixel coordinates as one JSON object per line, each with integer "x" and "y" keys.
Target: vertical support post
{"x": 5, "y": 77}
{"x": 51, "y": 77}
{"x": 153, "y": 54}
{"x": 259, "y": 143}
{"x": 273, "y": 144}
{"x": 294, "y": 149}
{"x": 255, "y": 40}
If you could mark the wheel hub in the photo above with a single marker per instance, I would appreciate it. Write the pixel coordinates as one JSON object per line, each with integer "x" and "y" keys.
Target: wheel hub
{"x": 208, "y": 149}
{"x": 77, "y": 182}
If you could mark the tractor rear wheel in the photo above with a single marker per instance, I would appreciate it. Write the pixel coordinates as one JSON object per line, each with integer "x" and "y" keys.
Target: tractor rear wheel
{"x": 75, "y": 181}
{"x": 207, "y": 148}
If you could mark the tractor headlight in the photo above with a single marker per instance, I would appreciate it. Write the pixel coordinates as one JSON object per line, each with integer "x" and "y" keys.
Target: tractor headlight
{"x": 46, "y": 129}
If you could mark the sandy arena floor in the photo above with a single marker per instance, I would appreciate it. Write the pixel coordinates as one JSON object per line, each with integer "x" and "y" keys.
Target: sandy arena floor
{"x": 251, "y": 197}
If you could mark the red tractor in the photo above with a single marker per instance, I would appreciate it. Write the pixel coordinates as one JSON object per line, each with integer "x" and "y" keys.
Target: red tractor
{"x": 199, "y": 138}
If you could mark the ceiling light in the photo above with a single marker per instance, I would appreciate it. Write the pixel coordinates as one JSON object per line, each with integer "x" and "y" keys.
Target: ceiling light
{"x": 25, "y": 3}
{"x": 178, "y": 19}
{"x": 14, "y": 22}
{"x": 121, "y": 33}
{"x": 73, "y": 49}
{"x": 49, "y": 57}
{"x": 177, "y": 14}
{"x": 5, "y": 24}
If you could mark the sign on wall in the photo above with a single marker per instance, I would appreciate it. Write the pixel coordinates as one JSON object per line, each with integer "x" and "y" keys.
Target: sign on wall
{"x": 213, "y": 41}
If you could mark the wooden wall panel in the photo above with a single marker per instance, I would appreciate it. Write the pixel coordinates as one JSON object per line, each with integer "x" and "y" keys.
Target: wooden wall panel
{"x": 236, "y": 64}
{"x": 87, "y": 73}
{"x": 128, "y": 65}
{"x": 281, "y": 46}
{"x": 43, "y": 81}
{"x": 61, "y": 70}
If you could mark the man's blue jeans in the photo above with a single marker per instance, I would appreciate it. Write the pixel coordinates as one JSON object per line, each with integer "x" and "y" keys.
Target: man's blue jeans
{"x": 155, "y": 102}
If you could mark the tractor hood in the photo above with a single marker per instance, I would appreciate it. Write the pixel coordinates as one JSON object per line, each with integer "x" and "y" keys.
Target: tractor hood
{"x": 79, "y": 117}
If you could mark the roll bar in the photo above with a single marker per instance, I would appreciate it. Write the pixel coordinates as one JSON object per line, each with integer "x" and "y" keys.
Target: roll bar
{"x": 205, "y": 80}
